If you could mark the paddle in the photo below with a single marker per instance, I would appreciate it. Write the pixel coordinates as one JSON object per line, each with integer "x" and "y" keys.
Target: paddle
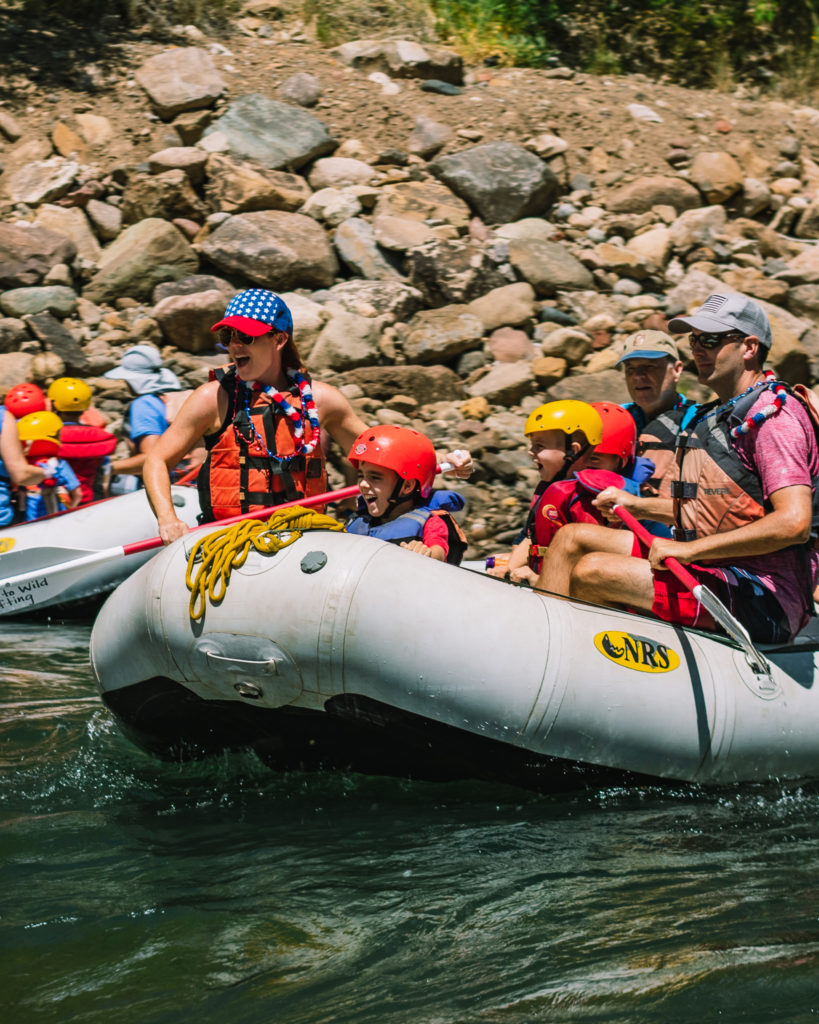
{"x": 45, "y": 583}
{"x": 598, "y": 480}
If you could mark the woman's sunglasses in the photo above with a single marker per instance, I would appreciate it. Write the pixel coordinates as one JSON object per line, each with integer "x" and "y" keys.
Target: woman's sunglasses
{"x": 228, "y": 334}
{"x": 709, "y": 341}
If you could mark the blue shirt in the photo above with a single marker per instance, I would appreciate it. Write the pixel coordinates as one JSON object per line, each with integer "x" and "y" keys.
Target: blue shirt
{"x": 147, "y": 417}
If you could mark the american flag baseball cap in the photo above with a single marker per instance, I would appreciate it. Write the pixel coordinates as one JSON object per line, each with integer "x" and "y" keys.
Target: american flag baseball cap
{"x": 256, "y": 311}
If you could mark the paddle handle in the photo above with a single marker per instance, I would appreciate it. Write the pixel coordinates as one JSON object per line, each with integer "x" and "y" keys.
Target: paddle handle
{"x": 261, "y": 513}
{"x": 673, "y": 566}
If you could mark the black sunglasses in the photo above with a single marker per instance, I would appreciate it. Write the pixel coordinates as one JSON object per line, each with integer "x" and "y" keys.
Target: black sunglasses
{"x": 228, "y": 334}
{"x": 709, "y": 341}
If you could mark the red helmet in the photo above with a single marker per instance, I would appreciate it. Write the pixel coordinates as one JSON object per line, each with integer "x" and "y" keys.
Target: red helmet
{"x": 404, "y": 451}
{"x": 619, "y": 431}
{"x": 23, "y": 399}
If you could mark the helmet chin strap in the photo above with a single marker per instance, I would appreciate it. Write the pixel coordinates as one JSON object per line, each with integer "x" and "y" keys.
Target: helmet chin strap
{"x": 395, "y": 498}
{"x": 569, "y": 459}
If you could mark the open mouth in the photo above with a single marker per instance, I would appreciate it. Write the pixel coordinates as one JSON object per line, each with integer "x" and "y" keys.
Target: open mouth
{"x": 241, "y": 361}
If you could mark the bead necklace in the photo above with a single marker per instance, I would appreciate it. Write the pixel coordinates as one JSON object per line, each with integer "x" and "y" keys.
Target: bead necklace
{"x": 755, "y": 421}
{"x": 296, "y": 417}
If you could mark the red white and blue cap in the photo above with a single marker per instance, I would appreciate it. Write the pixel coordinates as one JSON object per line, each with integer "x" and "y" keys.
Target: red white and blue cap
{"x": 727, "y": 313}
{"x": 256, "y": 311}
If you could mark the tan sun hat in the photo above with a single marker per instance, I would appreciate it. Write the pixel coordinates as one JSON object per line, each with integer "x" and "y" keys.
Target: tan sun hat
{"x": 648, "y": 345}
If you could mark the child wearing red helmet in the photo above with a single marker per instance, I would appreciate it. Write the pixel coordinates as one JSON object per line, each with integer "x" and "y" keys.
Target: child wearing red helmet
{"x": 396, "y": 468}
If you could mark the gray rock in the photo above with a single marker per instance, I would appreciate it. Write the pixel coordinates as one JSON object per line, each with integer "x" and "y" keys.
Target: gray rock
{"x": 191, "y": 285}
{"x": 27, "y": 254}
{"x": 275, "y": 135}
{"x": 457, "y": 270}
{"x": 190, "y": 159}
{"x": 42, "y": 181}
{"x": 436, "y": 335}
{"x": 14, "y": 367}
{"x": 71, "y": 222}
{"x": 501, "y": 181}
{"x": 803, "y": 300}
{"x": 186, "y": 320}
{"x": 347, "y": 341}
{"x": 512, "y": 304}
{"x": 606, "y": 386}
{"x": 13, "y": 333}
{"x": 338, "y": 171}
{"x": 302, "y": 89}
{"x": 105, "y": 219}
{"x": 697, "y": 227}
{"x": 58, "y": 339}
{"x": 428, "y": 136}
{"x": 373, "y": 298}
{"x": 20, "y": 302}
{"x": 358, "y": 250}
{"x": 141, "y": 257}
{"x": 273, "y": 250}
{"x": 180, "y": 80}
{"x": 505, "y": 383}
{"x": 426, "y": 384}
{"x": 331, "y": 206}
{"x": 548, "y": 266}
{"x": 402, "y": 59}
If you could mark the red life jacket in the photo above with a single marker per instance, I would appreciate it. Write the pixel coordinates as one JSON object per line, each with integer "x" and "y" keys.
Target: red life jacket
{"x": 238, "y": 475}
{"x": 563, "y": 501}
{"x": 85, "y": 449}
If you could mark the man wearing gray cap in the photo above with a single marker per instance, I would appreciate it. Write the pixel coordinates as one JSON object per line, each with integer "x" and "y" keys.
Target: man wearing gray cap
{"x": 745, "y": 500}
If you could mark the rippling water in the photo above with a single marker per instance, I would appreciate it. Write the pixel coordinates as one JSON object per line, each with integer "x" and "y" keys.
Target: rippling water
{"x": 135, "y": 891}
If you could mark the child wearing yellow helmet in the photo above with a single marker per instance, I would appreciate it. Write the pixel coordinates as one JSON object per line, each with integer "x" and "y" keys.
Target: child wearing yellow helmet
{"x": 87, "y": 448}
{"x": 15, "y": 471}
{"x": 592, "y": 436}
{"x": 39, "y": 434}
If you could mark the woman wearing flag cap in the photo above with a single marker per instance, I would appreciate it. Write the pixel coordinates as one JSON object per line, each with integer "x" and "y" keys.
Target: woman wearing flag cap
{"x": 263, "y": 420}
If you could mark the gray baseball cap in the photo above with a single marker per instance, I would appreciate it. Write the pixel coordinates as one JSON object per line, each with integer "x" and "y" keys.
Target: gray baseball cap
{"x": 727, "y": 313}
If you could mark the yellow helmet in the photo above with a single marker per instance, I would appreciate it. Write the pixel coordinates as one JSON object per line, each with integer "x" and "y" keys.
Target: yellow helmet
{"x": 68, "y": 394}
{"x": 569, "y": 416}
{"x": 40, "y": 433}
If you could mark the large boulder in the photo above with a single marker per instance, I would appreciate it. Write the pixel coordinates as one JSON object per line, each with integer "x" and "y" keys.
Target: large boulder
{"x": 140, "y": 258}
{"x": 457, "y": 270}
{"x": 403, "y": 210}
{"x": 436, "y": 335}
{"x": 186, "y": 320}
{"x": 71, "y": 222}
{"x": 273, "y": 249}
{"x": 347, "y": 341}
{"x": 28, "y": 253}
{"x": 356, "y": 246}
{"x": 549, "y": 267}
{"x": 501, "y": 181}
{"x": 167, "y": 195}
{"x": 275, "y": 135}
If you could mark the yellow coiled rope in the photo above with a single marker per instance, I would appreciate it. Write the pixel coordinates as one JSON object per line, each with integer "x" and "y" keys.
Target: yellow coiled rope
{"x": 213, "y": 557}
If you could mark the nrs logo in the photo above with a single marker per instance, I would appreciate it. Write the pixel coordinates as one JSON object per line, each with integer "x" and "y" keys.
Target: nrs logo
{"x": 6, "y": 544}
{"x": 636, "y": 652}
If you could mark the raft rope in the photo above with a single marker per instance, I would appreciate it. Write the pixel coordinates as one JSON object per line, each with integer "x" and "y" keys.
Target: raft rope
{"x": 214, "y": 556}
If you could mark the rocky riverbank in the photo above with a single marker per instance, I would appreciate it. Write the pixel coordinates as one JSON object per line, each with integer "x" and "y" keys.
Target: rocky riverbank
{"x": 456, "y": 244}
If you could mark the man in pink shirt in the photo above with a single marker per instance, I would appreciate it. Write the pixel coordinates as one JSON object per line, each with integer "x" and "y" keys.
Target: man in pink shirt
{"x": 743, "y": 508}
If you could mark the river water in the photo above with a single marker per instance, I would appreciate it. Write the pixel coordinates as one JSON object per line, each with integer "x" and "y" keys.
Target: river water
{"x": 137, "y": 891}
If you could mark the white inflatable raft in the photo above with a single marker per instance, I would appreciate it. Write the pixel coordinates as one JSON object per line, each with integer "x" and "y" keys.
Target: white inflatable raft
{"x": 344, "y": 651}
{"x": 65, "y": 559}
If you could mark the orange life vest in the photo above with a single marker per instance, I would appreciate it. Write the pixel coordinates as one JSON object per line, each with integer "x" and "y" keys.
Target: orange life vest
{"x": 238, "y": 474}
{"x": 715, "y": 491}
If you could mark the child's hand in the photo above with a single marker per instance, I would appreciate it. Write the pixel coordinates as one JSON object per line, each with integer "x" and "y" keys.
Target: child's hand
{"x": 49, "y": 465}
{"x": 523, "y": 574}
{"x": 418, "y": 546}
{"x": 457, "y": 464}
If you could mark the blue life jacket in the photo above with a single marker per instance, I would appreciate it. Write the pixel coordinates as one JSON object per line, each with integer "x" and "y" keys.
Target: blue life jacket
{"x": 410, "y": 525}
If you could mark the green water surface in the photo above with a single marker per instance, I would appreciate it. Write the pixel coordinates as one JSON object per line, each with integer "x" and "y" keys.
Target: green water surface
{"x": 136, "y": 891}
